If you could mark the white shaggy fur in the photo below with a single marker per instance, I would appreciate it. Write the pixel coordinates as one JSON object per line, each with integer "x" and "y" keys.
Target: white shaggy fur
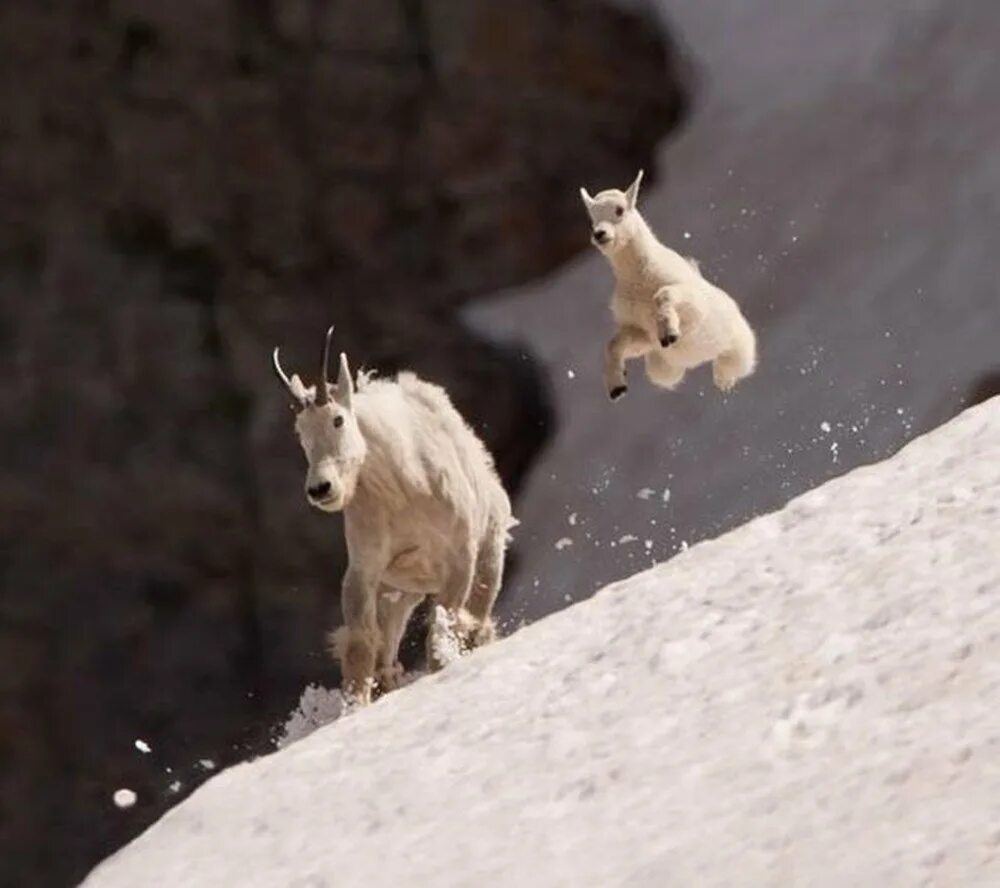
{"x": 664, "y": 309}
{"x": 424, "y": 515}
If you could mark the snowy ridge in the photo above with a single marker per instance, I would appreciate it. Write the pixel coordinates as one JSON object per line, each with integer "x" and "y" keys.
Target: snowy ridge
{"x": 811, "y": 699}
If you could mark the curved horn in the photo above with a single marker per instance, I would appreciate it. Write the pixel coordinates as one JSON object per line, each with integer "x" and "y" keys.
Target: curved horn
{"x": 283, "y": 376}
{"x": 321, "y": 390}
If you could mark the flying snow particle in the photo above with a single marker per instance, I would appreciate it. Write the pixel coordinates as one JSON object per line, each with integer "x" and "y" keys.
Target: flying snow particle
{"x": 684, "y": 546}
{"x": 687, "y": 235}
{"x": 124, "y": 798}
{"x": 627, "y": 538}
{"x": 570, "y": 374}
{"x": 318, "y": 706}
{"x": 207, "y": 764}
{"x": 824, "y": 426}
{"x": 645, "y": 493}
{"x": 446, "y": 646}
{"x": 175, "y": 786}
{"x": 649, "y": 545}
{"x": 563, "y": 543}
{"x": 572, "y": 519}
{"x": 142, "y": 746}
{"x": 666, "y": 495}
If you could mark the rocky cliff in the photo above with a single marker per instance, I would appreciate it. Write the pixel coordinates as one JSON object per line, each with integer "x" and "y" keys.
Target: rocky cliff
{"x": 182, "y": 186}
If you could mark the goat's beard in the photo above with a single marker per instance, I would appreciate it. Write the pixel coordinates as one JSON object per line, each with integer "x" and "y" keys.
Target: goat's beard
{"x": 330, "y": 506}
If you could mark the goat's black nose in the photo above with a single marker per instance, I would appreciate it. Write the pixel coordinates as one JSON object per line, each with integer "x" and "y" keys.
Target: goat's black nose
{"x": 600, "y": 235}
{"x": 318, "y": 491}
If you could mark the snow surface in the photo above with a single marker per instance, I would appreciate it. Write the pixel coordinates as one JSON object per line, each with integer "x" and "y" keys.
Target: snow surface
{"x": 811, "y": 699}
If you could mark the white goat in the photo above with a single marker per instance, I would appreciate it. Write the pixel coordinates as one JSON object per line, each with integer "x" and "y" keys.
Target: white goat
{"x": 663, "y": 307}
{"x": 424, "y": 515}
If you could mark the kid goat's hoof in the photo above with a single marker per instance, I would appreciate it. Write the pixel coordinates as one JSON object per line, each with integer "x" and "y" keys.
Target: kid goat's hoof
{"x": 617, "y": 392}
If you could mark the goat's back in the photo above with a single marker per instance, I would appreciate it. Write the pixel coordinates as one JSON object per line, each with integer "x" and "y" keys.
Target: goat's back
{"x": 414, "y": 425}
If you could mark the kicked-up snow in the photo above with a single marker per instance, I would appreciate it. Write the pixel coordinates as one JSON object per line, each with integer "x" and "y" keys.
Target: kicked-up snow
{"x": 812, "y": 699}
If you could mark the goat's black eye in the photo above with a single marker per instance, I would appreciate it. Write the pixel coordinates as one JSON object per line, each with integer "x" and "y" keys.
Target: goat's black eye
{"x": 338, "y": 421}
{"x": 619, "y": 211}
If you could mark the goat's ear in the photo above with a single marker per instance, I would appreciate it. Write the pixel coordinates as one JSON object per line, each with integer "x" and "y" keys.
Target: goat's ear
{"x": 588, "y": 201}
{"x": 296, "y": 387}
{"x": 632, "y": 195}
{"x": 344, "y": 393}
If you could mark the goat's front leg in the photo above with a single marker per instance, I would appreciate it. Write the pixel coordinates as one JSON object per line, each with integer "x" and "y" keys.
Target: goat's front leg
{"x": 628, "y": 342}
{"x": 394, "y": 611}
{"x": 668, "y": 322}
{"x": 677, "y": 311}
{"x": 356, "y": 644}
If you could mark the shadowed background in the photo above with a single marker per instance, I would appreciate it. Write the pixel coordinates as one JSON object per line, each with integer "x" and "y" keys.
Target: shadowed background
{"x": 182, "y": 186}
{"x": 185, "y": 185}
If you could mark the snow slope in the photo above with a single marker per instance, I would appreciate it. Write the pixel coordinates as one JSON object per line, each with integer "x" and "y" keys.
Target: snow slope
{"x": 811, "y": 699}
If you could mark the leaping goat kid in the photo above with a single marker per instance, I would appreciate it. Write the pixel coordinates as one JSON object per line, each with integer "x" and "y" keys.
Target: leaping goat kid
{"x": 664, "y": 309}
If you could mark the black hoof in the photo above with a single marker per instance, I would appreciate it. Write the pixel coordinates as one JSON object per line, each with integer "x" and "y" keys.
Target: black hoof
{"x": 669, "y": 339}
{"x": 617, "y": 392}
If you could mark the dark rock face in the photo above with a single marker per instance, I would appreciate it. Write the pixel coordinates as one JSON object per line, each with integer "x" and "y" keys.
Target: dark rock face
{"x": 182, "y": 186}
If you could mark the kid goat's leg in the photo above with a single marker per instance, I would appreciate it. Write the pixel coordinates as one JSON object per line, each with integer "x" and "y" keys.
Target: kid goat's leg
{"x": 660, "y": 371}
{"x": 394, "y": 611}
{"x": 668, "y": 322}
{"x": 738, "y": 361}
{"x": 628, "y": 342}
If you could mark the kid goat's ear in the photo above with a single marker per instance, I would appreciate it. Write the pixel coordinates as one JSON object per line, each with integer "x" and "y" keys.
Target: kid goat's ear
{"x": 588, "y": 201}
{"x": 344, "y": 393}
{"x": 632, "y": 195}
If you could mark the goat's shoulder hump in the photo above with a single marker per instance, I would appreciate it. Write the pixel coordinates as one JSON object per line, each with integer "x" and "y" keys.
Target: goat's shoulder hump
{"x": 425, "y": 393}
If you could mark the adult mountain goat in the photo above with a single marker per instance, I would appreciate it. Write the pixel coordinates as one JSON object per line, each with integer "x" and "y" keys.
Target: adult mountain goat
{"x": 664, "y": 309}
{"x": 424, "y": 515}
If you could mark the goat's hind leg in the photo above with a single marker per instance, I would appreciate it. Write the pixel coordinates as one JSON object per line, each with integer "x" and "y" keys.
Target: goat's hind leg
{"x": 736, "y": 362}
{"x": 661, "y": 372}
{"x": 486, "y": 587}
